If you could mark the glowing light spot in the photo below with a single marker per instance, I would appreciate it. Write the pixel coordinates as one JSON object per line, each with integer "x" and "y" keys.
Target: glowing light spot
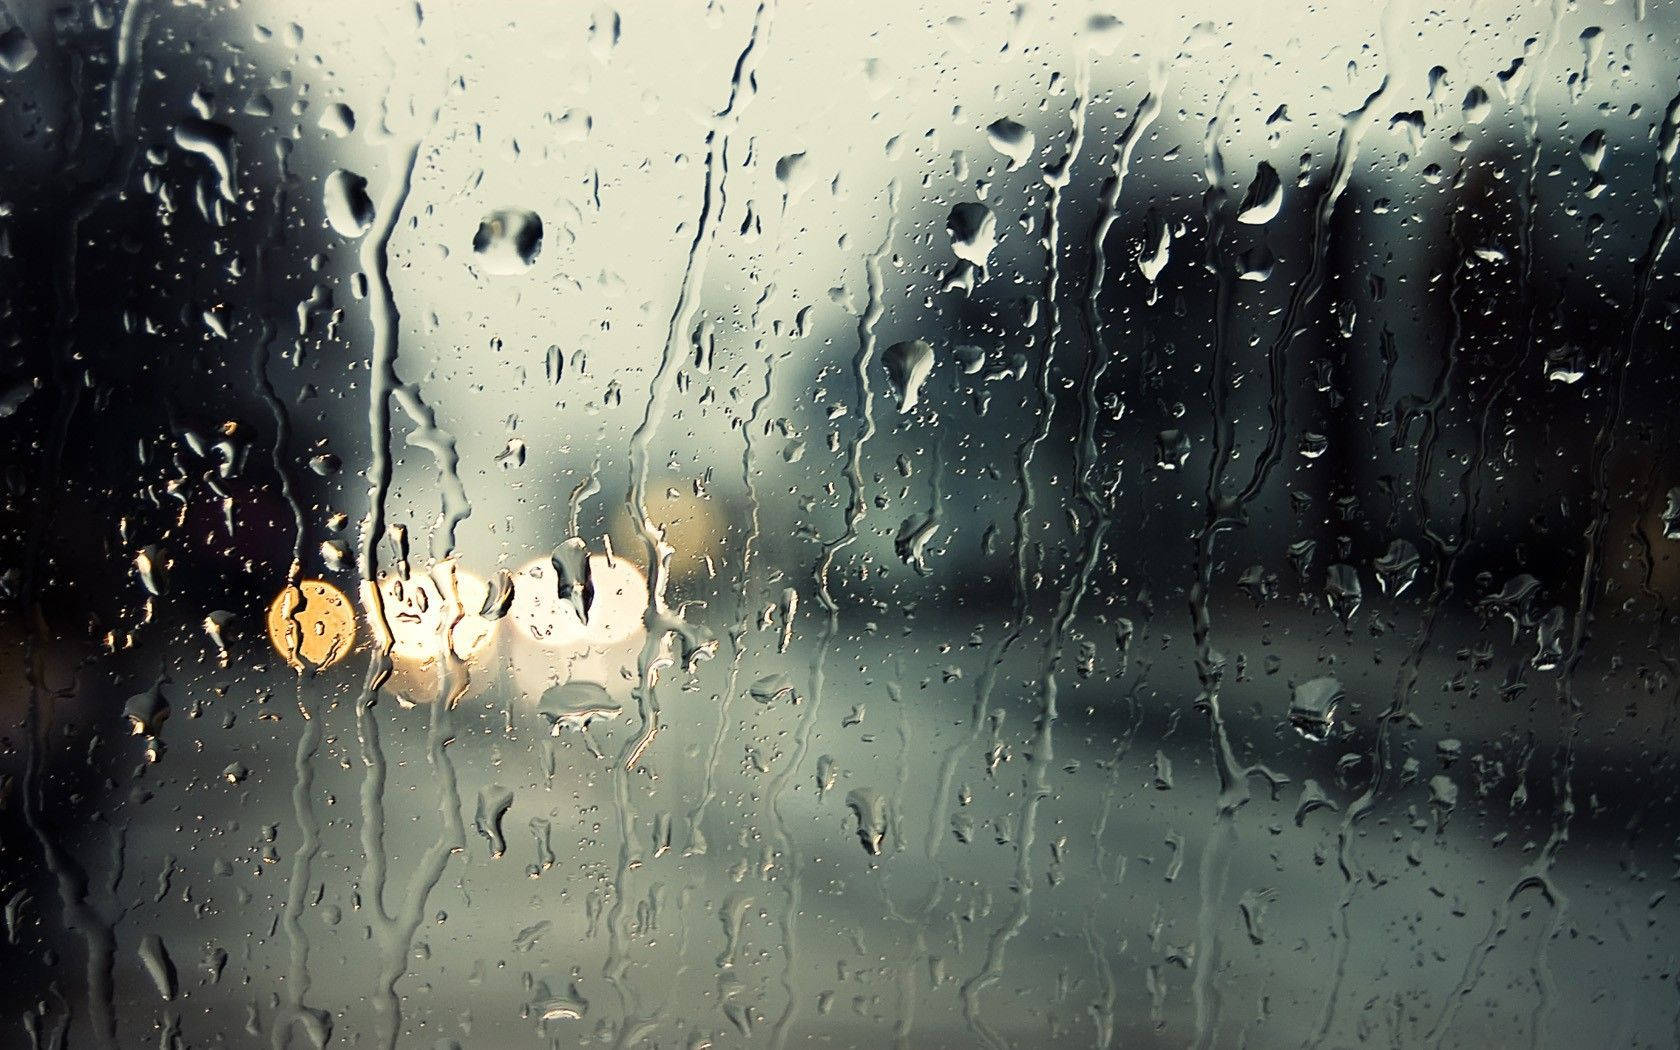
{"x": 420, "y": 608}
{"x": 312, "y": 624}
{"x": 543, "y": 615}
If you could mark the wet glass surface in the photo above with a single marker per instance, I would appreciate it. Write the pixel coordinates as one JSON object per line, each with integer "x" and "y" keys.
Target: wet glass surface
{"x": 794, "y": 525}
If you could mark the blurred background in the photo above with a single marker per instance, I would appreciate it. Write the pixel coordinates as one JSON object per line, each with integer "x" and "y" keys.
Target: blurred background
{"x": 887, "y": 524}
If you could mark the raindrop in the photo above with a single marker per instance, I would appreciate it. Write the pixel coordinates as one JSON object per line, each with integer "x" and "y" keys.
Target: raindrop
{"x": 1012, "y": 140}
{"x": 869, "y": 808}
{"x": 337, "y": 119}
{"x": 345, "y": 198}
{"x": 1477, "y": 105}
{"x": 17, "y": 50}
{"x": 1312, "y": 708}
{"x": 1172, "y": 449}
{"x": 155, "y": 958}
{"x": 508, "y": 241}
{"x": 1342, "y": 590}
{"x": 574, "y": 705}
{"x": 215, "y": 143}
{"x": 494, "y": 801}
{"x": 908, "y": 365}
{"x": 1397, "y": 568}
{"x": 1265, "y": 196}
{"x": 973, "y": 230}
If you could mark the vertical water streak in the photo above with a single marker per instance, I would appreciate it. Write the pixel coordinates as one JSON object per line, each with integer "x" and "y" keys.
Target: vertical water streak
{"x": 394, "y": 929}
{"x": 1224, "y": 513}
{"x": 1056, "y": 177}
{"x": 743, "y": 591}
{"x": 1537, "y": 874}
{"x": 658, "y": 622}
{"x": 79, "y": 914}
{"x": 1447, "y": 551}
{"x": 294, "y": 1011}
{"x": 856, "y": 509}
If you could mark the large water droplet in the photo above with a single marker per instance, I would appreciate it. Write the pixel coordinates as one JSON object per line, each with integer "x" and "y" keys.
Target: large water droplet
{"x": 508, "y": 241}
{"x": 973, "y": 230}
{"x": 573, "y": 705}
{"x": 1264, "y": 197}
{"x": 1012, "y": 140}
{"x": 1477, "y": 105}
{"x": 215, "y": 143}
{"x": 345, "y": 197}
{"x": 908, "y": 365}
{"x": 17, "y": 50}
{"x": 1312, "y": 708}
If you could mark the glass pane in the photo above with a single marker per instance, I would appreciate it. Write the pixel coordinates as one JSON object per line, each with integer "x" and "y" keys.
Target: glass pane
{"x": 848, "y": 525}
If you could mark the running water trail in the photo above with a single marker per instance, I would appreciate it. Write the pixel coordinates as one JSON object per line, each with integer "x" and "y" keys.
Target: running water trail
{"x": 70, "y": 880}
{"x": 1147, "y": 111}
{"x": 293, "y": 1010}
{"x": 743, "y": 595}
{"x": 383, "y": 317}
{"x": 1224, "y": 513}
{"x": 856, "y": 509}
{"x": 1208, "y": 662}
{"x": 659, "y": 623}
{"x": 1447, "y": 551}
{"x": 261, "y": 356}
{"x": 1537, "y": 874}
{"x": 589, "y": 486}
{"x": 914, "y": 923}
{"x": 394, "y": 927}
{"x": 1056, "y": 177}
{"x": 1098, "y": 502}
{"x": 1528, "y": 104}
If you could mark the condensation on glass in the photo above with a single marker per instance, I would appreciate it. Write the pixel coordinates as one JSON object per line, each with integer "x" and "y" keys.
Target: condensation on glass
{"x": 850, "y": 525}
